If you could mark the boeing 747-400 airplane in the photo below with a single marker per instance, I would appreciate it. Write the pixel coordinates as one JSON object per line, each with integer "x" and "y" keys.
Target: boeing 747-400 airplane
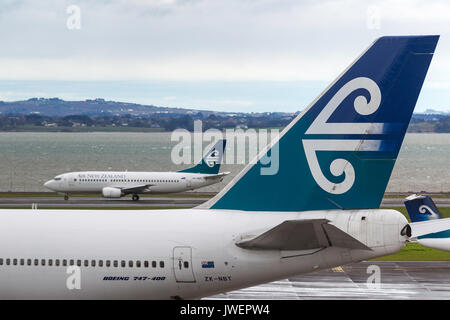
{"x": 118, "y": 184}
{"x": 319, "y": 210}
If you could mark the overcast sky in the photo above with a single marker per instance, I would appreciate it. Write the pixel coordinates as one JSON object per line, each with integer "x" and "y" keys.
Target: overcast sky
{"x": 239, "y": 55}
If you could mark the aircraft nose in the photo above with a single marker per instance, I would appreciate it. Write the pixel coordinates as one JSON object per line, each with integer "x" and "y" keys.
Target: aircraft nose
{"x": 49, "y": 184}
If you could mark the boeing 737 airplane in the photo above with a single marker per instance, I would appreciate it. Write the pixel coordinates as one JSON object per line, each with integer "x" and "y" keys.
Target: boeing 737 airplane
{"x": 422, "y": 208}
{"x": 118, "y": 184}
{"x": 319, "y": 210}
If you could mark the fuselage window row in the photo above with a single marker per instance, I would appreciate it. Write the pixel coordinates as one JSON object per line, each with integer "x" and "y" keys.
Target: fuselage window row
{"x": 120, "y": 180}
{"x": 79, "y": 262}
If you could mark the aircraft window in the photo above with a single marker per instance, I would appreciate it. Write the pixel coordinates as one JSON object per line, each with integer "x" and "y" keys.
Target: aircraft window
{"x": 36, "y": 262}
{"x": 93, "y": 263}
{"x": 130, "y": 263}
{"x": 42, "y": 262}
{"x": 8, "y": 261}
{"x": 74, "y": 179}
{"x": 29, "y": 262}
{"x": 161, "y": 264}
{"x": 100, "y": 263}
{"x": 15, "y": 262}
{"x": 186, "y": 264}
{"x": 153, "y": 264}
{"x": 146, "y": 264}
{"x": 64, "y": 262}
{"x": 1, "y": 261}
{"x": 57, "y": 179}
{"x": 108, "y": 263}
{"x": 22, "y": 262}
{"x": 123, "y": 263}
{"x": 138, "y": 264}
{"x": 115, "y": 263}
{"x": 50, "y": 262}
{"x": 71, "y": 262}
{"x": 79, "y": 263}
{"x": 86, "y": 263}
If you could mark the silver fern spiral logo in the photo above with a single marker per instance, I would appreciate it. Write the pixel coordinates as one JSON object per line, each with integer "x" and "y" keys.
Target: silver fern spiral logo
{"x": 424, "y": 209}
{"x": 342, "y": 167}
{"x": 212, "y": 159}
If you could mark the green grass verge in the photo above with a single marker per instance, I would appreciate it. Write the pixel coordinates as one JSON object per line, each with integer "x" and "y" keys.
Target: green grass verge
{"x": 416, "y": 252}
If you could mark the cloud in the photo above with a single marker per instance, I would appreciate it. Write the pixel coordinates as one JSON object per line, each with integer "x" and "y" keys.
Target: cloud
{"x": 233, "y": 40}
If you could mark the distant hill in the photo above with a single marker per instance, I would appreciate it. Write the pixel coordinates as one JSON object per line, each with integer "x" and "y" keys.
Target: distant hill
{"x": 98, "y": 114}
{"x": 55, "y": 107}
{"x": 39, "y": 114}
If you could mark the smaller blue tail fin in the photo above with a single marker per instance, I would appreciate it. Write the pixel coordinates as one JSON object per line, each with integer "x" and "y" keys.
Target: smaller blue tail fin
{"x": 211, "y": 161}
{"x": 421, "y": 208}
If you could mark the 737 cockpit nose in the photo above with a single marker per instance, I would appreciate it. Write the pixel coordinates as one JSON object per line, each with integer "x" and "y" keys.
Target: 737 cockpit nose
{"x": 54, "y": 184}
{"x": 50, "y": 184}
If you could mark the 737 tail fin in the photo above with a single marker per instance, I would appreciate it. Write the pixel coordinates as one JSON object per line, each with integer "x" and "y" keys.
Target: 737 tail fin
{"x": 211, "y": 161}
{"x": 421, "y": 208}
{"x": 340, "y": 151}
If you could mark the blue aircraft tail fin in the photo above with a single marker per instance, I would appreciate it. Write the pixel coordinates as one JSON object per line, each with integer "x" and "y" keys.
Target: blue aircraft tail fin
{"x": 339, "y": 152}
{"x": 211, "y": 161}
{"x": 421, "y": 208}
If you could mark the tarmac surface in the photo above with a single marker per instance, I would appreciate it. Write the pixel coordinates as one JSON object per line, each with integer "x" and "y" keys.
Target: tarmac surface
{"x": 100, "y": 202}
{"x": 401, "y": 280}
{"x": 167, "y": 201}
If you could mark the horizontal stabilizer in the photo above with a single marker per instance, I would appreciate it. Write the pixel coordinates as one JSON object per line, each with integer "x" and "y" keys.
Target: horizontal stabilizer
{"x": 302, "y": 235}
{"x": 427, "y": 227}
{"x": 217, "y": 176}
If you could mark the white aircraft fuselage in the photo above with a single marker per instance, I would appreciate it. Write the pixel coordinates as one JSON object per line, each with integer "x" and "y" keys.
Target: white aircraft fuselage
{"x": 154, "y": 182}
{"x": 167, "y": 254}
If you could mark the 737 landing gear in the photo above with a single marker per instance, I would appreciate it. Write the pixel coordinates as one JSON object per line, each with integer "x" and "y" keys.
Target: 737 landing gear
{"x": 66, "y": 197}
{"x": 135, "y": 197}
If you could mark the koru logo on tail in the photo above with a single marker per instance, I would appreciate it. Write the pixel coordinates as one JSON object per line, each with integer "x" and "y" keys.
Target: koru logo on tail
{"x": 339, "y": 167}
{"x": 424, "y": 209}
{"x": 212, "y": 159}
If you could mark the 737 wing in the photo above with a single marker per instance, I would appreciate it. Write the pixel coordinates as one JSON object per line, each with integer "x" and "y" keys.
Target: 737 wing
{"x": 138, "y": 189}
